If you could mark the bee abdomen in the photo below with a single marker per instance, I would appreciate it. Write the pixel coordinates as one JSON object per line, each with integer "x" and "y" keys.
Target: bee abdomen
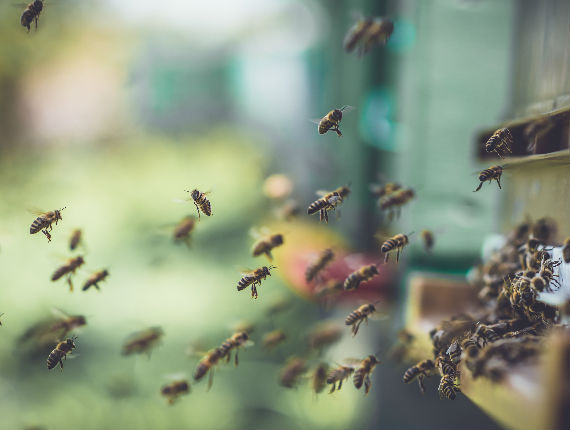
{"x": 245, "y": 282}
{"x": 54, "y": 358}
{"x": 59, "y": 273}
{"x": 389, "y": 245}
{"x": 353, "y": 317}
{"x": 447, "y": 388}
{"x": 37, "y": 225}
{"x": 201, "y": 370}
{"x": 353, "y": 281}
{"x": 410, "y": 374}
{"x": 316, "y": 206}
{"x": 358, "y": 378}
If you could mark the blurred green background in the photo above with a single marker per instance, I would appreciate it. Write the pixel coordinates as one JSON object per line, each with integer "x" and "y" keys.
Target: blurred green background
{"x": 113, "y": 108}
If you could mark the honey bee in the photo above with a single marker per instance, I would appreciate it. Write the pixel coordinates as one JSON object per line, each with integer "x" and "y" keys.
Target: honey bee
{"x": 356, "y": 317}
{"x": 566, "y": 250}
{"x": 273, "y": 338}
{"x": 236, "y": 341}
{"x": 183, "y": 229}
{"x": 364, "y": 274}
{"x": 448, "y": 386}
{"x": 59, "y": 353}
{"x": 445, "y": 365}
{"x": 66, "y": 323}
{"x": 393, "y": 202}
{"x": 323, "y": 336}
{"x": 206, "y": 364}
{"x": 490, "y": 174}
{"x": 378, "y": 33}
{"x": 428, "y": 238}
{"x": 45, "y": 220}
{"x": 331, "y": 121}
{"x": 338, "y": 375}
{"x": 363, "y": 372}
{"x": 369, "y": 31}
{"x": 75, "y": 239}
{"x": 318, "y": 265}
{"x": 397, "y": 242}
{"x": 420, "y": 370}
{"x": 254, "y": 278}
{"x": 291, "y": 372}
{"x": 31, "y": 14}
{"x": 500, "y": 142}
{"x": 175, "y": 389}
{"x": 379, "y": 191}
{"x": 68, "y": 269}
{"x": 143, "y": 341}
{"x": 266, "y": 244}
{"x": 319, "y": 378}
{"x": 356, "y": 32}
{"x": 201, "y": 202}
{"x": 329, "y": 200}
{"x": 94, "y": 279}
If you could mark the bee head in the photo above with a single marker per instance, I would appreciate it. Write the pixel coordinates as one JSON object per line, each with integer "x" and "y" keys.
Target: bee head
{"x": 71, "y": 342}
{"x": 58, "y": 212}
{"x": 38, "y": 4}
{"x": 267, "y": 269}
{"x": 80, "y": 260}
{"x": 277, "y": 239}
{"x": 370, "y": 307}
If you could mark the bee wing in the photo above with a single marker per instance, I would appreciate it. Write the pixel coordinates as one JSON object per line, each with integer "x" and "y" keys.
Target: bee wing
{"x": 315, "y": 120}
{"x": 378, "y": 316}
{"x": 58, "y": 313}
{"x": 248, "y": 344}
{"x": 176, "y": 376}
{"x": 351, "y": 361}
{"x": 321, "y": 193}
{"x": 355, "y": 261}
{"x": 36, "y": 211}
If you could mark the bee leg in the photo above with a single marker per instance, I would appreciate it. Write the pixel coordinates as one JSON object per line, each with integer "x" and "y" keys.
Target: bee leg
{"x": 47, "y": 235}
{"x": 229, "y": 356}
{"x": 479, "y": 187}
{"x": 61, "y": 364}
{"x": 367, "y": 384}
{"x": 398, "y": 255}
{"x": 70, "y": 284}
{"x": 332, "y": 388}
{"x": 421, "y": 383}
{"x": 236, "y": 360}
{"x": 499, "y": 182}
{"x": 210, "y": 379}
{"x": 198, "y": 210}
{"x": 335, "y": 129}
{"x": 386, "y": 257}
{"x": 339, "y": 384}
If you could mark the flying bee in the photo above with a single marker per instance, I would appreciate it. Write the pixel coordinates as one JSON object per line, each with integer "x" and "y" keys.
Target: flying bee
{"x": 265, "y": 244}
{"x": 356, "y": 317}
{"x": 324, "y": 335}
{"x": 338, "y": 375}
{"x": 254, "y": 278}
{"x": 207, "y": 364}
{"x": 318, "y": 265}
{"x": 428, "y": 238}
{"x": 68, "y": 269}
{"x": 566, "y": 250}
{"x": 331, "y": 121}
{"x": 448, "y": 386}
{"x": 420, "y": 370}
{"x": 45, "y": 221}
{"x": 60, "y": 352}
{"x": 201, "y": 202}
{"x": 94, "y": 279}
{"x": 273, "y": 338}
{"x": 143, "y": 341}
{"x": 183, "y": 229}
{"x": 175, "y": 389}
{"x": 397, "y": 242}
{"x": 379, "y": 191}
{"x": 31, "y": 14}
{"x": 378, "y": 33}
{"x": 66, "y": 323}
{"x": 392, "y": 203}
{"x": 363, "y": 372}
{"x": 236, "y": 341}
{"x": 356, "y": 32}
{"x": 291, "y": 372}
{"x": 75, "y": 239}
{"x": 500, "y": 142}
{"x": 327, "y": 201}
{"x": 319, "y": 378}
{"x": 490, "y": 174}
{"x": 364, "y": 274}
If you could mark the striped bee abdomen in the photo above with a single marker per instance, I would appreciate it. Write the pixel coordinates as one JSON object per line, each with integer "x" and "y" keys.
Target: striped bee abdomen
{"x": 59, "y": 273}
{"x": 447, "y": 387}
{"x": 38, "y": 224}
{"x": 245, "y": 282}
{"x": 54, "y": 358}
{"x": 316, "y": 206}
{"x": 359, "y": 378}
{"x": 353, "y": 317}
{"x": 389, "y": 245}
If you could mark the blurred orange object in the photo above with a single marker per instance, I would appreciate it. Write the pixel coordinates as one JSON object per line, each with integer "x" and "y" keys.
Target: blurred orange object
{"x": 304, "y": 242}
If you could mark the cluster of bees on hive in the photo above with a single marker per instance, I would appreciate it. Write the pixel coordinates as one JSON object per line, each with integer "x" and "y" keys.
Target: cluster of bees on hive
{"x": 508, "y": 328}
{"x": 510, "y": 325}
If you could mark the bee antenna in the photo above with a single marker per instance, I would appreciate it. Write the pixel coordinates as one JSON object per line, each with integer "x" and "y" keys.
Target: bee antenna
{"x": 409, "y": 234}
